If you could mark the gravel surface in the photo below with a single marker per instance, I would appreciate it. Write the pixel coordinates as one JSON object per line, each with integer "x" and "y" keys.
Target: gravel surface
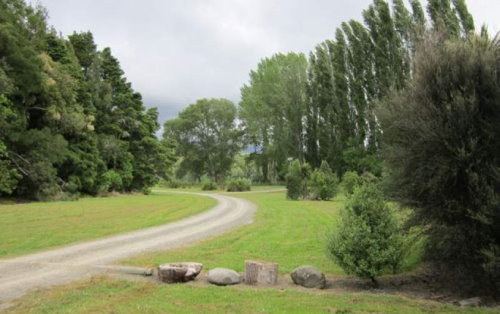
{"x": 62, "y": 265}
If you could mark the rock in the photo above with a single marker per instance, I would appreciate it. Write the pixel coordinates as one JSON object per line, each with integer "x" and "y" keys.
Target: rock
{"x": 179, "y": 272}
{"x": 472, "y": 302}
{"x": 223, "y": 277}
{"x": 261, "y": 273}
{"x": 309, "y": 277}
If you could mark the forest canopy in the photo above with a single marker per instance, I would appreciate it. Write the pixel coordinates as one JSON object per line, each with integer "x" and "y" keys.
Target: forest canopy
{"x": 70, "y": 122}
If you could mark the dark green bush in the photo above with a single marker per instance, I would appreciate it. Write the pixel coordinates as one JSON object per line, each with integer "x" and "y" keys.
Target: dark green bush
{"x": 443, "y": 150}
{"x": 176, "y": 184}
{"x": 238, "y": 185}
{"x": 367, "y": 243}
{"x": 209, "y": 186}
{"x": 350, "y": 181}
{"x": 323, "y": 183}
{"x": 296, "y": 180}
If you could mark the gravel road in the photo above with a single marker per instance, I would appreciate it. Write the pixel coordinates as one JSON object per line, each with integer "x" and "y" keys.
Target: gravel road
{"x": 62, "y": 265}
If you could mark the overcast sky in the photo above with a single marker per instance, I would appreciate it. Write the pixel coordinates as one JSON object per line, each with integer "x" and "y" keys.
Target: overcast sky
{"x": 177, "y": 51}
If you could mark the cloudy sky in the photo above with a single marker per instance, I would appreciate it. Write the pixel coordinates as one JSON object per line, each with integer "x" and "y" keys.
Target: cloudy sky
{"x": 177, "y": 51}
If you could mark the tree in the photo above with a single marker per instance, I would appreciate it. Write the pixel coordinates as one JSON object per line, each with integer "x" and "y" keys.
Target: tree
{"x": 441, "y": 138}
{"x": 70, "y": 122}
{"x": 272, "y": 108}
{"x": 367, "y": 242}
{"x": 207, "y": 137}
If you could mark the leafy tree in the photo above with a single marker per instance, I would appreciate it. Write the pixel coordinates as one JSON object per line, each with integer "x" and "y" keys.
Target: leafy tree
{"x": 68, "y": 115}
{"x": 367, "y": 242}
{"x": 442, "y": 147}
{"x": 207, "y": 137}
{"x": 272, "y": 109}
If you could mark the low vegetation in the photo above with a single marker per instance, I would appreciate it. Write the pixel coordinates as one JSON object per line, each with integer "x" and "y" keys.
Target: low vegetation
{"x": 34, "y": 226}
{"x": 104, "y": 295}
{"x": 238, "y": 185}
{"x": 368, "y": 241}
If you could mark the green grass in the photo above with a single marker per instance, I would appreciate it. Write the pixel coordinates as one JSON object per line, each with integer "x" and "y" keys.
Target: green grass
{"x": 291, "y": 233}
{"x": 30, "y": 227}
{"x": 288, "y": 232}
{"x": 104, "y": 295}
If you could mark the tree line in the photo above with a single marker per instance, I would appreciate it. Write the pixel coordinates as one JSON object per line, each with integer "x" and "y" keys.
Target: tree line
{"x": 320, "y": 108}
{"x": 70, "y": 122}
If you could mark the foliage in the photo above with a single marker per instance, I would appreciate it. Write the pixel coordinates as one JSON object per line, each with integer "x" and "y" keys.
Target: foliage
{"x": 323, "y": 183}
{"x": 297, "y": 180}
{"x": 209, "y": 186}
{"x": 207, "y": 137}
{"x": 442, "y": 148}
{"x": 175, "y": 184}
{"x": 350, "y": 181}
{"x": 272, "y": 107}
{"x": 70, "y": 122}
{"x": 367, "y": 243}
{"x": 238, "y": 185}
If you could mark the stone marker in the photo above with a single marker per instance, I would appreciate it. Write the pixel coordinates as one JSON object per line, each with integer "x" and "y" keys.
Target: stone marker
{"x": 309, "y": 277}
{"x": 179, "y": 272}
{"x": 261, "y": 273}
{"x": 223, "y": 277}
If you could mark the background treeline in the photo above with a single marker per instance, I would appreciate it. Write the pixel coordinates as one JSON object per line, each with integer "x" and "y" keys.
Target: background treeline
{"x": 316, "y": 109}
{"x": 69, "y": 121}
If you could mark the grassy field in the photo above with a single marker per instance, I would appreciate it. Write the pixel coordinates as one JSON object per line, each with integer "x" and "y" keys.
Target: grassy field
{"x": 104, "y": 295}
{"x": 287, "y": 232}
{"x": 26, "y": 228}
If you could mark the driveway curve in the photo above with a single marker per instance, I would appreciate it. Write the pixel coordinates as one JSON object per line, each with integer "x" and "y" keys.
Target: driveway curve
{"x": 62, "y": 265}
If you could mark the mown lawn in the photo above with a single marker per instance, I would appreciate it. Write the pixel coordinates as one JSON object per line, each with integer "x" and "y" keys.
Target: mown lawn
{"x": 291, "y": 233}
{"x": 287, "y": 232}
{"x": 105, "y": 295}
{"x": 25, "y": 228}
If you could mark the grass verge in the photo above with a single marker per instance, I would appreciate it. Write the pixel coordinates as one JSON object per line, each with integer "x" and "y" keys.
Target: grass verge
{"x": 25, "y": 228}
{"x": 105, "y": 295}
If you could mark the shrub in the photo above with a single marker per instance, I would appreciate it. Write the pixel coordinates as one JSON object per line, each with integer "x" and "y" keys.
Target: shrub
{"x": 367, "y": 242}
{"x": 176, "y": 184}
{"x": 238, "y": 185}
{"x": 208, "y": 186}
{"x": 323, "y": 183}
{"x": 296, "y": 180}
{"x": 442, "y": 147}
{"x": 350, "y": 181}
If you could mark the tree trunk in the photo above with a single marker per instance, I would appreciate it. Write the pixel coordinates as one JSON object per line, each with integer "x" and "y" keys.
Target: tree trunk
{"x": 261, "y": 273}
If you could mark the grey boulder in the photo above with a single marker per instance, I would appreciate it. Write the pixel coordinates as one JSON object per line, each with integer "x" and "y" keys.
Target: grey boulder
{"x": 223, "y": 277}
{"x": 179, "y": 272}
{"x": 309, "y": 277}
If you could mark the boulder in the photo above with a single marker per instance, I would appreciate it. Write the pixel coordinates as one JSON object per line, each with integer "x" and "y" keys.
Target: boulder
{"x": 309, "y": 277}
{"x": 472, "y": 302}
{"x": 223, "y": 277}
{"x": 179, "y": 272}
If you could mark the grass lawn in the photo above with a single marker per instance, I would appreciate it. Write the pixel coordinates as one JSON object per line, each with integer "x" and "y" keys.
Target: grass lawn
{"x": 25, "y": 228}
{"x": 291, "y": 233}
{"x": 287, "y": 232}
{"x": 104, "y": 295}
